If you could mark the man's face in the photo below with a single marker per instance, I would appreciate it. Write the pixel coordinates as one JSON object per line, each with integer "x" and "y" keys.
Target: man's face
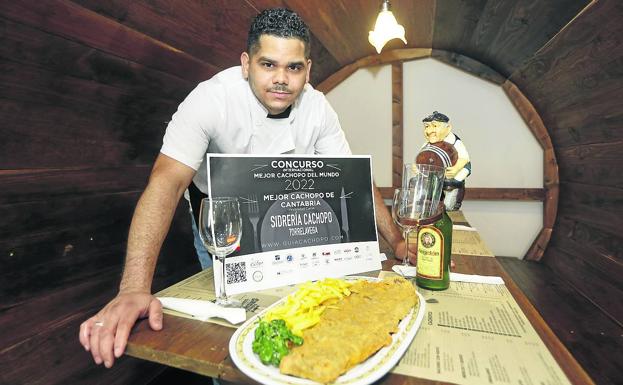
{"x": 277, "y": 72}
{"x": 436, "y": 131}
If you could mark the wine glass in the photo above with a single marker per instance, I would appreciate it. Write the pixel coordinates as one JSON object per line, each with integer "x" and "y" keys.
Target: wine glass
{"x": 427, "y": 182}
{"x": 398, "y": 209}
{"x": 418, "y": 199}
{"x": 220, "y": 230}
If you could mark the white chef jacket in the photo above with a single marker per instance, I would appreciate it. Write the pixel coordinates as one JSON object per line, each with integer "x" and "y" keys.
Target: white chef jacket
{"x": 222, "y": 115}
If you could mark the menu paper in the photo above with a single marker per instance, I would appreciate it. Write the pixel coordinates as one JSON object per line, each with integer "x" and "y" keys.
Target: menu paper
{"x": 466, "y": 241}
{"x": 201, "y": 286}
{"x": 475, "y": 334}
{"x": 469, "y": 243}
{"x": 304, "y": 218}
{"x": 457, "y": 217}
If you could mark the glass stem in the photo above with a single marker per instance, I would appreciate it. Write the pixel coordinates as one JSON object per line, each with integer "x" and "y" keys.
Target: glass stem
{"x": 405, "y": 261}
{"x": 222, "y": 295}
{"x": 416, "y": 228}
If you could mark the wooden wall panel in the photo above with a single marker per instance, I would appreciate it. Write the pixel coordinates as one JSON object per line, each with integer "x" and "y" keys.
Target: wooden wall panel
{"x": 100, "y": 123}
{"x": 54, "y": 244}
{"x": 502, "y": 34}
{"x": 31, "y": 46}
{"x": 211, "y": 31}
{"x": 31, "y": 84}
{"x": 588, "y": 121}
{"x": 38, "y": 361}
{"x": 69, "y": 20}
{"x": 595, "y": 244}
{"x": 580, "y": 271}
{"x": 595, "y": 164}
{"x": 29, "y": 346}
{"x": 599, "y": 206}
{"x": 455, "y": 22}
{"x": 606, "y": 172}
{"x": 49, "y": 244}
{"x": 202, "y": 22}
{"x": 21, "y": 186}
{"x": 575, "y": 81}
{"x": 93, "y": 123}
{"x": 576, "y": 76}
{"x": 84, "y": 102}
{"x": 83, "y": 296}
{"x": 609, "y": 150}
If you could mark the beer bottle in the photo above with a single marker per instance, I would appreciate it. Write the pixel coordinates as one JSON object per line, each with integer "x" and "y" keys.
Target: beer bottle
{"x": 434, "y": 248}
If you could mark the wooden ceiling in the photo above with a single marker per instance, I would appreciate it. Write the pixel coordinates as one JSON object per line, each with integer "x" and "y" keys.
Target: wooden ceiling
{"x": 502, "y": 34}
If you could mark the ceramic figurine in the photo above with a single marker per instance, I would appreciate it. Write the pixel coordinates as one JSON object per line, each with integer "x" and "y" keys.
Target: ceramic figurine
{"x": 446, "y": 149}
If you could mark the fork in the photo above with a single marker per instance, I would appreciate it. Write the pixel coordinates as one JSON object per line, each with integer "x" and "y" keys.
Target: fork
{"x": 253, "y": 209}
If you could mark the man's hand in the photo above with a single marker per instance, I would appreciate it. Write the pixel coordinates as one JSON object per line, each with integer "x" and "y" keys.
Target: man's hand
{"x": 400, "y": 249}
{"x": 106, "y": 334}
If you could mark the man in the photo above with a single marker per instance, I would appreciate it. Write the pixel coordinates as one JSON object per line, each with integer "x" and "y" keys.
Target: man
{"x": 437, "y": 128}
{"x": 264, "y": 107}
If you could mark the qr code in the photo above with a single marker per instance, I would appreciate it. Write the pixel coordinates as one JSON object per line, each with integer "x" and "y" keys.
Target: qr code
{"x": 236, "y": 272}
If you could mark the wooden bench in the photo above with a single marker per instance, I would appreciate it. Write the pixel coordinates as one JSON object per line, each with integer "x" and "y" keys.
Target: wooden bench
{"x": 593, "y": 337}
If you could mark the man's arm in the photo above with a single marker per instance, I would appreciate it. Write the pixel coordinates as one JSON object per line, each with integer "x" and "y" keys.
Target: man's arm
{"x": 388, "y": 229}
{"x": 151, "y": 221}
{"x": 106, "y": 333}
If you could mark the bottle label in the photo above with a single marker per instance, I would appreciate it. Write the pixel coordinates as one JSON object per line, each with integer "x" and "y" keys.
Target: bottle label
{"x": 430, "y": 253}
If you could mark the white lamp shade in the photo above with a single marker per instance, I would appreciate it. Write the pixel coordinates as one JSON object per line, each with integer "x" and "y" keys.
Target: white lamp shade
{"x": 385, "y": 29}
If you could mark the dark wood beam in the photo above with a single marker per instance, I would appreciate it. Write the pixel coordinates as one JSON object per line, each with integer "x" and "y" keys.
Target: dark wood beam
{"x": 469, "y": 65}
{"x": 491, "y": 194}
{"x": 398, "y": 55}
{"x": 504, "y": 194}
{"x": 397, "y": 125}
{"x": 550, "y": 167}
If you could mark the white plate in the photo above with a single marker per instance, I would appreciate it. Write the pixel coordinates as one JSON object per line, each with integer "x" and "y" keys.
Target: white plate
{"x": 241, "y": 352}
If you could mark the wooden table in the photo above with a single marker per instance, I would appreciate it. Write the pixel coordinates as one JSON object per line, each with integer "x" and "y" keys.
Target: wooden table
{"x": 202, "y": 347}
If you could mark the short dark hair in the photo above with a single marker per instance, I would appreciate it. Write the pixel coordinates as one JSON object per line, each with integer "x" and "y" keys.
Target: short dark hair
{"x": 437, "y": 117}
{"x": 279, "y": 22}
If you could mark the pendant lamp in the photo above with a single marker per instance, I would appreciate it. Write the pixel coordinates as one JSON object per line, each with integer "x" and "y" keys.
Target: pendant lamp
{"x": 386, "y": 28}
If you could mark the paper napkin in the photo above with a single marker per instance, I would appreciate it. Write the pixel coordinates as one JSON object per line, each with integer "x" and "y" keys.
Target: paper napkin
{"x": 474, "y": 278}
{"x": 410, "y": 271}
{"x": 202, "y": 310}
{"x": 463, "y": 228}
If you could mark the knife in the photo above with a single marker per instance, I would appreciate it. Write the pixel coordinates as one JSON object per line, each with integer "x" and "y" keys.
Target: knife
{"x": 344, "y": 212}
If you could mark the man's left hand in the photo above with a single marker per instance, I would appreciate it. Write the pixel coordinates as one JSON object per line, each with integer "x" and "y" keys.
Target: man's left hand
{"x": 400, "y": 250}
